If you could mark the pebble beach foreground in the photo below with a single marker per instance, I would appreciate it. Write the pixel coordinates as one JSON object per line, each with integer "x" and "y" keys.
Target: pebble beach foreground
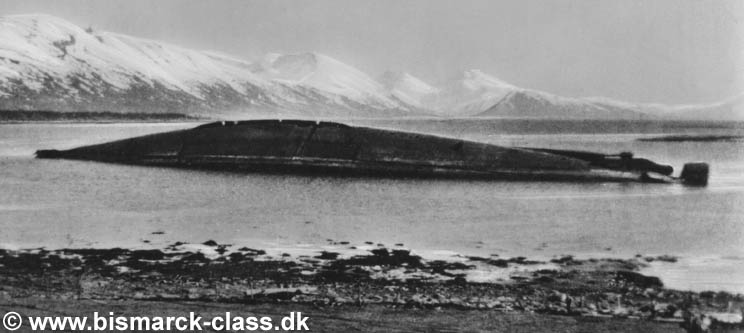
{"x": 382, "y": 286}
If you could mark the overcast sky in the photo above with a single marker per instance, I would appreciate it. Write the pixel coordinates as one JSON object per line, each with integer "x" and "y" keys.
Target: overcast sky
{"x": 668, "y": 51}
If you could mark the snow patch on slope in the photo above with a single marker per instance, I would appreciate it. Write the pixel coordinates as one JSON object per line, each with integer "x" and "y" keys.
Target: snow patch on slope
{"x": 407, "y": 88}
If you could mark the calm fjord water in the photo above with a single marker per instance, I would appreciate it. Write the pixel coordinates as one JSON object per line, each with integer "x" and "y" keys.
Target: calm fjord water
{"x": 59, "y": 203}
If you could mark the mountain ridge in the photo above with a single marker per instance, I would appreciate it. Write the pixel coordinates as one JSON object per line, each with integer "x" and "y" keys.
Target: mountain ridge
{"x": 47, "y": 63}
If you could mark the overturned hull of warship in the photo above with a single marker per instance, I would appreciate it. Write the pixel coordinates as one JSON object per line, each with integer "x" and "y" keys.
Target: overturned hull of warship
{"x": 299, "y": 146}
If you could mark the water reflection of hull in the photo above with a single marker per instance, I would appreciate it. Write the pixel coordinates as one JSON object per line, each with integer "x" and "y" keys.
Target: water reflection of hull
{"x": 331, "y": 148}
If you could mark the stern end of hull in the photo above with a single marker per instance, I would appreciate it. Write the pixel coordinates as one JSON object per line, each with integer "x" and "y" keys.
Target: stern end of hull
{"x": 695, "y": 174}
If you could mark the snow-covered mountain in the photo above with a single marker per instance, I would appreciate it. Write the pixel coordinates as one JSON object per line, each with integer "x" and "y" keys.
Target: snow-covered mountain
{"x": 47, "y": 63}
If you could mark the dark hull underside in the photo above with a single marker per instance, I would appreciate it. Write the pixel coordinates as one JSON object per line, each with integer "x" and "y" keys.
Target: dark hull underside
{"x": 330, "y": 148}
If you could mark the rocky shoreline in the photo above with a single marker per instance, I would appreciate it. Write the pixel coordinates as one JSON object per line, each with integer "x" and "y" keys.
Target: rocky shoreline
{"x": 391, "y": 278}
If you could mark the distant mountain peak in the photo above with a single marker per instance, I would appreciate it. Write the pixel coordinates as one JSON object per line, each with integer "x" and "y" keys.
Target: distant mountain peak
{"x": 391, "y": 79}
{"x": 326, "y": 74}
{"x": 470, "y": 93}
{"x": 475, "y": 79}
{"x": 407, "y": 88}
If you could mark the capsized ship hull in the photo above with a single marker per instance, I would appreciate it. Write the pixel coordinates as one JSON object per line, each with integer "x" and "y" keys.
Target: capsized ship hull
{"x": 337, "y": 149}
